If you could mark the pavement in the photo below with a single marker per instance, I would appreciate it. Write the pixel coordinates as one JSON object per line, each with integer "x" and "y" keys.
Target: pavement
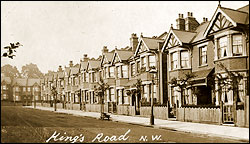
{"x": 224, "y": 131}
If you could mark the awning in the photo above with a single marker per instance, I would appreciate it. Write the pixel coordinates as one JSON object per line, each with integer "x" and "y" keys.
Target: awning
{"x": 202, "y": 76}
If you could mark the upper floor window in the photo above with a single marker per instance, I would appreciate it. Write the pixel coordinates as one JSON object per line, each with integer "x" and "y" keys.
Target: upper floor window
{"x": 4, "y": 87}
{"x": 203, "y": 55}
{"x": 28, "y": 89}
{"x": 138, "y": 66}
{"x": 184, "y": 59}
{"x": 24, "y": 89}
{"x": 174, "y": 60}
{"x": 152, "y": 61}
{"x": 237, "y": 45}
{"x": 36, "y": 89}
{"x": 118, "y": 69}
{"x": 87, "y": 77}
{"x": 125, "y": 71}
{"x": 106, "y": 72}
{"x": 222, "y": 47}
{"x": 17, "y": 89}
{"x": 133, "y": 69}
{"x": 112, "y": 71}
{"x": 143, "y": 64}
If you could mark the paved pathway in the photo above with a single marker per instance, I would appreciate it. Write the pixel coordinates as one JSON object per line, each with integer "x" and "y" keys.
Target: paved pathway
{"x": 209, "y": 129}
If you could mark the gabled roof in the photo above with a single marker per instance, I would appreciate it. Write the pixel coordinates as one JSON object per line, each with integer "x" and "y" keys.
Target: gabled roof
{"x": 50, "y": 77}
{"x": 179, "y": 37}
{"x": 67, "y": 71}
{"x": 234, "y": 17}
{"x": 122, "y": 55}
{"x": 199, "y": 32}
{"x": 107, "y": 57}
{"x": 150, "y": 44}
{"x": 83, "y": 65}
{"x": 163, "y": 36}
{"x": 60, "y": 74}
{"x": 6, "y": 79}
{"x": 74, "y": 70}
{"x": 55, "y": 75}
{"x": 93, "y": 64}
{"x": 32, "y": 82}
{"x": 184, "y": 36}
{"x": 20, "y": 81}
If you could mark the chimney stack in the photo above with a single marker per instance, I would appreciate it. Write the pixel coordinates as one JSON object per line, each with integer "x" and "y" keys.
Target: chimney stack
{"x": 60, "y": 68}
{"x": 191, "y": 23}
{"x": 133, "y": 41}
{"x": 105, "y": 49}
{"x": 71, "y": 63}
{"x": 180, "y": 22}
{"x": 85, "y": 57}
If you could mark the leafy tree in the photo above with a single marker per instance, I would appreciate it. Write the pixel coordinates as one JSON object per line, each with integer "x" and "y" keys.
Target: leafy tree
{"x": 182, "y": 83}
{"x": 100, "y": 90}
{"x": 11, "y": 49}
{"x": 229, "y": 82}
{"x": 10, "y": 71}
{"x": 31, "y": 71}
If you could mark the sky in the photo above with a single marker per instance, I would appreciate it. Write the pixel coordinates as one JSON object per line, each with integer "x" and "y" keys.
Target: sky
{"x": 54, "y": 32}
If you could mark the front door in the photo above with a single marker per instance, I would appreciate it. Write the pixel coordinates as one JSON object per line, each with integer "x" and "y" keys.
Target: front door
{"x": 228, "y": 115}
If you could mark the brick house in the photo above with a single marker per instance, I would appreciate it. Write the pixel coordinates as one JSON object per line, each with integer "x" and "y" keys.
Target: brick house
{"x": 6, "y": 88}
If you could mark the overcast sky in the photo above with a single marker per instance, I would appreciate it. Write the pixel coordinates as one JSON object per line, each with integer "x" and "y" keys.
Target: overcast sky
{"x": 53, "y": 33}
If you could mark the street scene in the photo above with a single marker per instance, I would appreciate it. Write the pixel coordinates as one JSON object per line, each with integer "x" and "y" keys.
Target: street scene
{"x": 19, "y": 126}
{"x": 125, "y": 72}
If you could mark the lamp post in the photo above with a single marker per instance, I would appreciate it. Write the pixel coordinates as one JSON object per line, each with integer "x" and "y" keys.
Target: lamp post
{"x": 54, "y": 93}
{"x": 152, "y": 72}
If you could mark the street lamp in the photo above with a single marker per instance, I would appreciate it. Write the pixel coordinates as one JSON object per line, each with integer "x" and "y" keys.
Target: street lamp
{"x": 54, "y": 93}
{"x": 152, "y": 72}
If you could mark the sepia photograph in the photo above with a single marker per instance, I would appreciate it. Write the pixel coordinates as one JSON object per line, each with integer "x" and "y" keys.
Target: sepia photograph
{"x": 124, "y": 71}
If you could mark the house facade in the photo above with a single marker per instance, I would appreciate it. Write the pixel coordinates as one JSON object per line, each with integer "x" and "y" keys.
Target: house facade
{"x": 179, "y": 68}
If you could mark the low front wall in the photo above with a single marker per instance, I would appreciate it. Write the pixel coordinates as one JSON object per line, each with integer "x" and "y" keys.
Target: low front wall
{"x": 93, "y": 107}
{"x": 206, "y": 115}
{"x": 126, "y": 110}
{"x": 160, "y": 112}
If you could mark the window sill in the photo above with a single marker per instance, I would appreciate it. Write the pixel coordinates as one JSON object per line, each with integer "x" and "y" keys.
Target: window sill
{"x": 201, "y": 66}
{"x": 231, "y": 57}
{"x": 180, "y": 69}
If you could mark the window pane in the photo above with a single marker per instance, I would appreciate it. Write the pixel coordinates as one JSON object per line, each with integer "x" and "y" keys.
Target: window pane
{"x": 174, "y": 58}
{"x": 237, "y": 45}
{"x": 132, "y": 69}
{"x": 184, "y": 59}
{"x": 125, "y": 71}
{"x": 112, "y": 69}
{"x": 222, "y": 47}
{"x": 203, "y": 55}
{"x": 151, "y": 61}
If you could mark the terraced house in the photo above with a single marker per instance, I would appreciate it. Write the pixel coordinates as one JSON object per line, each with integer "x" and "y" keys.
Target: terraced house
{"x": 195, "y": 72}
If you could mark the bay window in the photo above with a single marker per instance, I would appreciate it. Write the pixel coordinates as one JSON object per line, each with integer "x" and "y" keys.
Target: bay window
{"x": 106, "y": 72}
{"x": 152, "y": 61}
{"x": 112, "y": 71}
{"x": 222, "y": 47}
{"x": 138, "y": 66}
{"x": 125, "y": 71}
{"x": 133, "y": 69}
{"x": 184, "y": 59}
{"x": 118, "y": 72}
{"x": 174, "y": 60}
{"x": 143, "y": 64}
{"x": 237, "y": 45}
